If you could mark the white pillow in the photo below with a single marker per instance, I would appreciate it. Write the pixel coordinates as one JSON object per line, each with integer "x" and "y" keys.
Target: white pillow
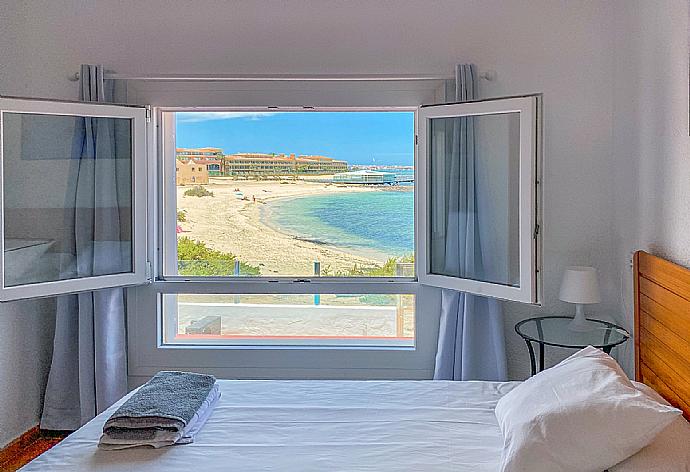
{"x": 582, "y": 415}
{"x": 670, "y": 450}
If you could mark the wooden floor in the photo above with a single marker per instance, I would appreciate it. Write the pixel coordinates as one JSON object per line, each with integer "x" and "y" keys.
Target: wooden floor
{"x": 29, "y": 446}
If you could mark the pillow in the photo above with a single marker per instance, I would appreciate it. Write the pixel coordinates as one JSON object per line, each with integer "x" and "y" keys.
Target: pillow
{"x": 582, "y": 415}
{"x": 670, "y": 450}
{"x": 650, "y": 392}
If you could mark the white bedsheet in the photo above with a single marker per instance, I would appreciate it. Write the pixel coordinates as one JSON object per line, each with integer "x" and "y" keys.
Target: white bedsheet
{"x": 317, "y": 426}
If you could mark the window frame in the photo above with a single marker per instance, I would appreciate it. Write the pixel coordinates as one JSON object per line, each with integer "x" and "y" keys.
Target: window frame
{"x": 165, "y": 197}
{"x": 148, "y": 355}
{"x": 138, "y": 275}
{"x": 529, "y": 109}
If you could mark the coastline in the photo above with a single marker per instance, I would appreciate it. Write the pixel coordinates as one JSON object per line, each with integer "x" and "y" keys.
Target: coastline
{"x": 229, "y": 224}
{"x": 268, "y": 218}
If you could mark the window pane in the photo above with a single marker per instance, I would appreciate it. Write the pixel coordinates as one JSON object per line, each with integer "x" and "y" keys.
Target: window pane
{"x": 474, "y": 197}
{"x": 294, "y": 194}
{"x": 386, "y": 320}
{"x": 67, "y": 197}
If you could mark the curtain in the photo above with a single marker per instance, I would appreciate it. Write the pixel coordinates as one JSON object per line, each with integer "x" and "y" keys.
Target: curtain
{"x": 88, "y": 372}
{"x": 471, "y": 342}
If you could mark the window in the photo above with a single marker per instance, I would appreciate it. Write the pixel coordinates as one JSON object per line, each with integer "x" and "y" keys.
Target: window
{"x": 327, "y": 320}
{"x": 319, "y": 228}
{"x": 479, "y": 197}
{"x": 59, "y": 235}
{"x": 303, "y": 196}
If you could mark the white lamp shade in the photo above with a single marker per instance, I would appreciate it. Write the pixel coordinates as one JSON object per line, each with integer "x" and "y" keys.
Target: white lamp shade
{"x": 580, "y": 285}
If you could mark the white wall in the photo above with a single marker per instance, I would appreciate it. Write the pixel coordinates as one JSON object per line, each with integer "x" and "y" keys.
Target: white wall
{"x": 651, "y": 143}
{"x": 26, "y": 335}
{"x": 591, "y": 59}
{"x": 26, "y": 328}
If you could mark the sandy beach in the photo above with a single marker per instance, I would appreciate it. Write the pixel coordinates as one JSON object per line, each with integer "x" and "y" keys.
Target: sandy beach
{"x": 230, "y": 224}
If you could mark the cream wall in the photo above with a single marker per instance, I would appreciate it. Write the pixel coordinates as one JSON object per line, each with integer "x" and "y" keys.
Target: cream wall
{"x": 613, "y": 74}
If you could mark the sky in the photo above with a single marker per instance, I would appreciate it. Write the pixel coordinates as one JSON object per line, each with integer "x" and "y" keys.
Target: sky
{"x": 381, "y": 138}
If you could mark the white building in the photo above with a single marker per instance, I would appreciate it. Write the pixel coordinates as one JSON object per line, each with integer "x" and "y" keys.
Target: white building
{"x": 365, "y": 177}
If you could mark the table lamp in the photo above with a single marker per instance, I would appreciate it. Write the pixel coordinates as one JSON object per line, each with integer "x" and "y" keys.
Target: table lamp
{"x": 580, "y": 286}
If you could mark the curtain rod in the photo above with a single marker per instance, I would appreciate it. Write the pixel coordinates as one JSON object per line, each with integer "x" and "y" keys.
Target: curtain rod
{"x": 488, "y": 75}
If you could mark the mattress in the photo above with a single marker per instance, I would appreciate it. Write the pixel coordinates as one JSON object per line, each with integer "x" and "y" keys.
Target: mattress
{"x": 317, "y": 426}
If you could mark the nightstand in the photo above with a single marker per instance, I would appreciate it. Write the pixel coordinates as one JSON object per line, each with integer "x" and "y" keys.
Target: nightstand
{"x": 554, "y": 331}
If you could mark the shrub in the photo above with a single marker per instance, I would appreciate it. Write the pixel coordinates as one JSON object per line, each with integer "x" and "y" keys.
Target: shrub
{"x": 198, "y": 191}
{"x": 195, "y": 258}
{"x": 181, "y": 216}
{"x": 385, "y": 270}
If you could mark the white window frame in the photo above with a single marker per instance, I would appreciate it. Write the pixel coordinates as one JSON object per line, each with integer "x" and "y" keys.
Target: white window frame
{"x": 528, "y": 108}
{"x": 168, "y": 283}
{"x": 147, "y": 354}
{"x": 139, "y": 192}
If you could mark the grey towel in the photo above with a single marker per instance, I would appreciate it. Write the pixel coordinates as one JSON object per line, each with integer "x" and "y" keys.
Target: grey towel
{"x": 123, "y": 438}
{"x": 166, "y": 403}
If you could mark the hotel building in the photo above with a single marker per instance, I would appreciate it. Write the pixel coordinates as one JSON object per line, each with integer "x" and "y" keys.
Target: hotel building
{"x": 218, "y": 163}
{"x": 209, "y": 157}
{"x": 274, "y": 164}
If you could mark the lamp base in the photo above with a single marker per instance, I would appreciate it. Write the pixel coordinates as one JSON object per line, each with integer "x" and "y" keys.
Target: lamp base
{"x": 580, "y": 323}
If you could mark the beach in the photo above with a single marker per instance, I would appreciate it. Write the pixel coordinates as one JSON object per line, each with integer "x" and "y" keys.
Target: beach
{"x": 236, "y": 220}
{"x": 228, "y": 223}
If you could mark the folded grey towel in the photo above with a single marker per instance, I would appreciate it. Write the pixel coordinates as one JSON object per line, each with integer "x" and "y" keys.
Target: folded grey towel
{"x": 167, "y": 402}
{"x": 117, "y": 439}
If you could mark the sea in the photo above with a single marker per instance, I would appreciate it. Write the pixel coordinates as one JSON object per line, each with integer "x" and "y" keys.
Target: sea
{"x": 378, "y": 223}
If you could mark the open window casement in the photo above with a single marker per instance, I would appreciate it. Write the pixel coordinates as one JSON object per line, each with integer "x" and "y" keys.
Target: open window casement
{"x": 72, "y": 196}
{"x": 478, "y": 197}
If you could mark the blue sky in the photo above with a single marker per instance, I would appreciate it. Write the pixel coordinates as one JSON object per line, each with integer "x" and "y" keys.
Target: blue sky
{"x": 382, "y": 138}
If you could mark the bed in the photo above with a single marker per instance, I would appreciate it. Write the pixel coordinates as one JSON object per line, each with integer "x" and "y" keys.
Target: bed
{"x": 385, "y": 425}
{"x": 318, "y": 425}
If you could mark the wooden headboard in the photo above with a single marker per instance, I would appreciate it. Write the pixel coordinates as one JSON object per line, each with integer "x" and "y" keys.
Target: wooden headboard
{"x": 662, "y": 328}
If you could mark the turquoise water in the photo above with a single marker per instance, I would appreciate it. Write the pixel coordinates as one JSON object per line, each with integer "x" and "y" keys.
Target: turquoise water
{"x": 380, "y": 221}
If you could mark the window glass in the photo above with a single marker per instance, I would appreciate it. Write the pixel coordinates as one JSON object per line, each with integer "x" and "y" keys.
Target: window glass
{"x": 474, "y": 200}
{"x": 382, "y": 320}
{"x": 323, "y": 193}
{"x": 67, "y": 190}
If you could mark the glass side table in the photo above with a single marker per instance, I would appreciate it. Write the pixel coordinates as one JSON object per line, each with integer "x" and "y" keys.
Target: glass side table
{"x": 554, "y": 331}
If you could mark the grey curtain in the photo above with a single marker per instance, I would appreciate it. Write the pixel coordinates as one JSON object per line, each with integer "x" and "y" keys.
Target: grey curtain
{"x": 471, "y": 343}
{"x": 88, "y": 372}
